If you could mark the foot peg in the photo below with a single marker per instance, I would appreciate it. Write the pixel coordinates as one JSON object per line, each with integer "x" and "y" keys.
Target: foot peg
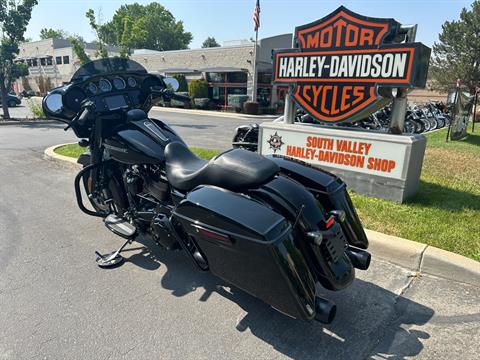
{"x": 120, "y": 227}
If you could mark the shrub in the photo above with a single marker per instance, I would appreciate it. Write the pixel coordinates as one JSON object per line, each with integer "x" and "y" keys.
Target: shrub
{"x": 36, "y": 109}
{"x": 182, "y": 82}
{"x": 198, "y": 89}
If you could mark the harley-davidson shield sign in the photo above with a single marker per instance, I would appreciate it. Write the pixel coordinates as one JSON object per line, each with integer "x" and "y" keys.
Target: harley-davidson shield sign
{"x": 343, "y": 60}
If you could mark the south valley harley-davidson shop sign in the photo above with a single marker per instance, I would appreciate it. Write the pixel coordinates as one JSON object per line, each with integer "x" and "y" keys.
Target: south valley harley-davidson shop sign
{"x": 342, "y": 62}
{"x": 337, "y": 149}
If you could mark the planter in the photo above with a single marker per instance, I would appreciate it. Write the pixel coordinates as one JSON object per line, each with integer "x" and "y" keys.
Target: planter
{"x": 251, "y": 107}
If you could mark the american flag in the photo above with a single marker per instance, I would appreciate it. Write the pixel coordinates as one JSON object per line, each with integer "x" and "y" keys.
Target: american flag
{"x": 256, "y": 16}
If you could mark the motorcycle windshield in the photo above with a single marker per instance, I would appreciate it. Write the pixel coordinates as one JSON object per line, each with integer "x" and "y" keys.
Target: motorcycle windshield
{"x": 107, "y": 66}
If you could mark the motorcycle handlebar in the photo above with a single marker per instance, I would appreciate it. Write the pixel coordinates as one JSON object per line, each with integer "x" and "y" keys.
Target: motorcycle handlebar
{"x": 178, "y": 97}
{"x": 169, "y": 94}
{"x": 80, "y": 118}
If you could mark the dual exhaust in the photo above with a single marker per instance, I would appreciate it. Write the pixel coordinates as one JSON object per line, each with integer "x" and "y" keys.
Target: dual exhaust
{"x": 360, "y": 258}
{"x": 325, "y": 310}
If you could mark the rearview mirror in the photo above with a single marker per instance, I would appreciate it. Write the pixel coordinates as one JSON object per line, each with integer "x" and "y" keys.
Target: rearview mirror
{"x": 53, "y": 103}
{"x": 172, "y": 83}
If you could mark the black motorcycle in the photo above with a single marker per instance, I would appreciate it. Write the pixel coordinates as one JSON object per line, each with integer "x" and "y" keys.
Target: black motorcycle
{"x": 271, "y": 226}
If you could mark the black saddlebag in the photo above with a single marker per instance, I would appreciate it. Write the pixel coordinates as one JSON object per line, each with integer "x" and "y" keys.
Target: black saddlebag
{"x": 249, "y": 245}
{"x": 330, "y": 191}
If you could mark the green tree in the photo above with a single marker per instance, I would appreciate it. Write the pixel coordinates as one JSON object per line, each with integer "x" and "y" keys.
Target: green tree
{"x": 48, "y": 33}
{"x": 457, "y": 54}
{"x": 78, "y": 48}
{"x": 149, "y": 26}
{"x": 95, "y": 25}
{"x": 210, "y": 42}
{"x": 14, "y": 18}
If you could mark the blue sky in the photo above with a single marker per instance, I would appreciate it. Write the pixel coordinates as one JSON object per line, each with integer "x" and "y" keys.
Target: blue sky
{"x": 232, "y": 19}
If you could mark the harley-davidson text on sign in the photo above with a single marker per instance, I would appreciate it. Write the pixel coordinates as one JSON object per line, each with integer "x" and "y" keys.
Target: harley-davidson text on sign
{"x": 343, "y": 59}
{"x": 364, "y": 155}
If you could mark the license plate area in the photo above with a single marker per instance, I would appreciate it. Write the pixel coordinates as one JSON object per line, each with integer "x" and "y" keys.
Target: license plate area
{"x": 333, "y": 245}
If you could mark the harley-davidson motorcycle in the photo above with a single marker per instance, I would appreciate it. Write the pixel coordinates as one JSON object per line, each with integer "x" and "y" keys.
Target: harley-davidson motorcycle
{"x": 271, "y": 226}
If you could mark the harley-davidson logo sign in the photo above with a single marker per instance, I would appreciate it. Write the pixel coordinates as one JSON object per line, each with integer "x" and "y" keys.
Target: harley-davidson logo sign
{"x": 343, "y": 60}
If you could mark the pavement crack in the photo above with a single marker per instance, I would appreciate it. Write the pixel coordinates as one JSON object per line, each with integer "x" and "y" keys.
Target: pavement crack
{"x": 395, "y": 314}
{"x": 422, "y": 256}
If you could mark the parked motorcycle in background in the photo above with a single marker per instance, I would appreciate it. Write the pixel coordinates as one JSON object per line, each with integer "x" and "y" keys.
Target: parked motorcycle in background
{"x": 271, "y": 226}
{"x": 418, "y": 119}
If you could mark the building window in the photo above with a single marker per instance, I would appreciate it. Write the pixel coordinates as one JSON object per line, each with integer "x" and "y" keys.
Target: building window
{"x": 66, "y": 60}
{"x": 29, "y": 63}
{"x": 265, "y": 78}
{"x": 43, "y": 62}
{"x": 216, "y": 77}
{"x": 49, "y": 61}
{"x": 237, "y": 77}
{"x": 34, "y": 62}
{"x": 264, "y": 95}
{"x": 58, "y": 60}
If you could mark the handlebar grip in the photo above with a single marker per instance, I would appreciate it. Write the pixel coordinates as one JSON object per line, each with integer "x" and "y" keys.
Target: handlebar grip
{"x": 84, "y": 115}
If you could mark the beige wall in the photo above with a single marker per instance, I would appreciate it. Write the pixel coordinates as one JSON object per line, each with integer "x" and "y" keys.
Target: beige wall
{"x": 56, "y": 73}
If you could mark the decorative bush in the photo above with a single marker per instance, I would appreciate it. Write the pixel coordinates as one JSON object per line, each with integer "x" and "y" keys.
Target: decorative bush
{"x": 198, "y": 89}
{"x": 182, "y": 82}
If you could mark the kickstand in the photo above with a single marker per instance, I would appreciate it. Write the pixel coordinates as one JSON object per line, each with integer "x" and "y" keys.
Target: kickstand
{"x": 112, "y": 259}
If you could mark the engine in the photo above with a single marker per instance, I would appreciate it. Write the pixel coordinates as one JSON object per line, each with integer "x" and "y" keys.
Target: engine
{"x": 147, "y": 188}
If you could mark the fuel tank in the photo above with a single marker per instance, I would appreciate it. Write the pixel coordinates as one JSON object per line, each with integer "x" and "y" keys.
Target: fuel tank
{"x": 141, "y": 141}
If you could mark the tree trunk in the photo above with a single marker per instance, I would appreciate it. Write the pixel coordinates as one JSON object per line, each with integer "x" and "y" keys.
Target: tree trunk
{"x": 3, "y": 90}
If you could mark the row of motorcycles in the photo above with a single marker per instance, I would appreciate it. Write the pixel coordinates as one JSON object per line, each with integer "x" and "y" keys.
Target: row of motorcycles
{"x": 418, "y": 119}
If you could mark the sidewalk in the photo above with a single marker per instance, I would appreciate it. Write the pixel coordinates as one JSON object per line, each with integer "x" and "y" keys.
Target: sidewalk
{"x": 215, "y": 113}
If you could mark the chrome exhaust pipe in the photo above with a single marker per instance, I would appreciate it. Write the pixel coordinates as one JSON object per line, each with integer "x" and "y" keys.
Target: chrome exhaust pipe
{"x": 325, "y": 310}
{"x": 360, "y": 258}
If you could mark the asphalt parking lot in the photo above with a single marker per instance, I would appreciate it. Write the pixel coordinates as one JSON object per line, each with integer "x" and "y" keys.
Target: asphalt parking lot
{"x": 57, "y": 304}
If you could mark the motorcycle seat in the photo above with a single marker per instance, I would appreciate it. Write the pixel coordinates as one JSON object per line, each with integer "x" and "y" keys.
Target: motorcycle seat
{"x": 234, "y": 169}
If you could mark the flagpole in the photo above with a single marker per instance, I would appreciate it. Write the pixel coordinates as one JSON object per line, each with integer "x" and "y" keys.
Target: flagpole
{"x": 254, "y": 94}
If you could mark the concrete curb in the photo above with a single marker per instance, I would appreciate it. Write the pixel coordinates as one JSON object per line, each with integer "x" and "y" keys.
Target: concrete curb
{"x": 214, "y": 113}
{"x": 417, "y": 257}
{"x": 27, "y": 122}
{"x": 49, "y": 154}
{"x": 423, "y": 258}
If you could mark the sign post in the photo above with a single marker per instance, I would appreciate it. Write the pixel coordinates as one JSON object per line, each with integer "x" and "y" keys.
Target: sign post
{"x": 342, "y": 68}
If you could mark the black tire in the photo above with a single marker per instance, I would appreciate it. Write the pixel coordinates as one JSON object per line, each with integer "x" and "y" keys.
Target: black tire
{"x": 440, "y": 122}
{"x": 409, "y": 127}
{"x": 419, "y": 126}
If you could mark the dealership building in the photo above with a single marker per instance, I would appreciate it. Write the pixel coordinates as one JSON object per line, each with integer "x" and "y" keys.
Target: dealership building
{"x": 228, "y": 69}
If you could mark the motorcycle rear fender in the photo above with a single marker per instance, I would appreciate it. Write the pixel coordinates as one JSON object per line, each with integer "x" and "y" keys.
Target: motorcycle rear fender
{"x": 249, "y": 245}
{"x": 330, "y": 191}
